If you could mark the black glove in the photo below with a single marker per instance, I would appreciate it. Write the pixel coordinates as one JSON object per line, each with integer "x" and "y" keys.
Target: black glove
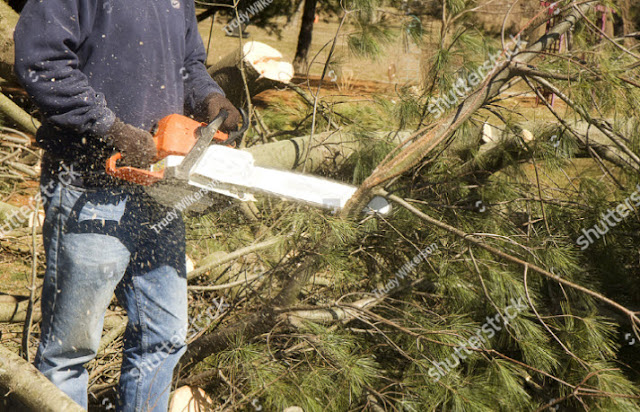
{"x": 137, "y": 146}
{"x": 213, "y": 103}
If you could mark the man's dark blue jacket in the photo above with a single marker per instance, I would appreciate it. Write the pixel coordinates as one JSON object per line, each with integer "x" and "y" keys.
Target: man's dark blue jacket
{"x": 84, "y": 62}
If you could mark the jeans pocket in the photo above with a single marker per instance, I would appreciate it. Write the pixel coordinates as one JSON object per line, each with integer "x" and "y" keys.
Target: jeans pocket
{"x": 111, "y": 209}
{"x": 101, "y": 205}
{"x": 97, "y": 211}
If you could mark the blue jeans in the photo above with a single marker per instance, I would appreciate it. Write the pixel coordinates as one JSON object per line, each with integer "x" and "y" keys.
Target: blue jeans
{"x": 97, "y": 242}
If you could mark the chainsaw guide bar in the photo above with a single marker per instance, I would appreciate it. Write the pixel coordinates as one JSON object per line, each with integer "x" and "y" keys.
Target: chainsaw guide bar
{"x": 190, "y": 169}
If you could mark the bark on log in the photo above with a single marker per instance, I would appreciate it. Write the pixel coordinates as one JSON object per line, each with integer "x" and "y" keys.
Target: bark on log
{"x": 600, "y": 143}
{"x": 594, "y": 139}
{"x": 263, "y": 70}
{"x": 17, "y": 115}
{"x": 323, "y": 150}
{"x": 29, "y": 387}
{"x": 14, "y": 310}
{"x": 332, "y": 314}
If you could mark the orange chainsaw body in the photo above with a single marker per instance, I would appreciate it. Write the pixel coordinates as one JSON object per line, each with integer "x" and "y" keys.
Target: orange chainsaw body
{"x": 175, "y": 135}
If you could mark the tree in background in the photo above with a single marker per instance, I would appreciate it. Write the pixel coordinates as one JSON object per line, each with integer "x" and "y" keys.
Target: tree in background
{"x": 306, "y": 35}
{"x": 370, "y": 31}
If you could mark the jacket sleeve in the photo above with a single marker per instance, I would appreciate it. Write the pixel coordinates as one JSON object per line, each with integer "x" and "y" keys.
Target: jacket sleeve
{"x": 198, "y": 84}
{"x": 47, "y": 36}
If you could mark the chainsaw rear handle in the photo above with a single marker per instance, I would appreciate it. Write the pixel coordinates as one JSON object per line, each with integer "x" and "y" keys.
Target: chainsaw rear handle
{"x": 132, "y": 174}
{"x": 174, "y": 135}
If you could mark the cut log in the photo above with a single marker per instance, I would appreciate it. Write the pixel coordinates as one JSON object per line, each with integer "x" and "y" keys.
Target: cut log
{"x": 29, "y": 387}
{"x": 190, "y": 399}
{"x": 14, "y": 310}
{"x": 263, "y": 70}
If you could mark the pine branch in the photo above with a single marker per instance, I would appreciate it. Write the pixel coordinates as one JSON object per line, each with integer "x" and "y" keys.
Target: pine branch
{"x": 633, "y": 318}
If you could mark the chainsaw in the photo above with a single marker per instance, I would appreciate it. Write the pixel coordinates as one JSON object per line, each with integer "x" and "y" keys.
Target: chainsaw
{"x": 195, "y": 161}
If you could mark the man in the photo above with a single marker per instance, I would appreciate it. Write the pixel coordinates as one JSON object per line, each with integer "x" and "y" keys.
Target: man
{"x": 102, "y": 72}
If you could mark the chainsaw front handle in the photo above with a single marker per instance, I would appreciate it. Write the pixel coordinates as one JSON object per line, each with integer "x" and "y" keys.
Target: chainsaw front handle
{"x": 236, "y": 136}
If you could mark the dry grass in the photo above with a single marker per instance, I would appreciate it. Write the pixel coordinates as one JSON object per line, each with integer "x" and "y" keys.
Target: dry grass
{"x": 406, "y": 58}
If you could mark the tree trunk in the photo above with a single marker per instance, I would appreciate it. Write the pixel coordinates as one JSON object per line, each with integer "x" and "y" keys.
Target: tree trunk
{"x": 327, "y": 150}
{"x": 304, "y": 38}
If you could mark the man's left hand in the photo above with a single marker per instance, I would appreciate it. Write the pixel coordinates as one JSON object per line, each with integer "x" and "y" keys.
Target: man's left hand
{"x": 216, "y": 102}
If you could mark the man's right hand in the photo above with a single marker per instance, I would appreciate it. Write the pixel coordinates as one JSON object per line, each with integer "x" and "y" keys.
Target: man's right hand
{"x": 137, "y": 146}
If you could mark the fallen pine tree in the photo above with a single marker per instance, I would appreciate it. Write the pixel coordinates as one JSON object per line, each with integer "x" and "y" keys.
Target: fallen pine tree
{"x": 354, "y": 304}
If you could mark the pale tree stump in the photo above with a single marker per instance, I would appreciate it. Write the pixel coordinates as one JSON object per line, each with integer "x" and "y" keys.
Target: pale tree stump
{"x": 263, "y": 67}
